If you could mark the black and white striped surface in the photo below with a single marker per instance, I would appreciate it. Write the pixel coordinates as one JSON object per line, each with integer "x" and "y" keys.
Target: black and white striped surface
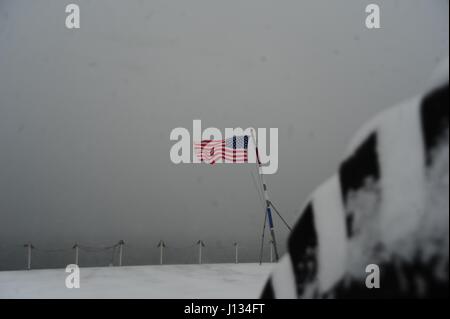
{"x": 388, "y": 204}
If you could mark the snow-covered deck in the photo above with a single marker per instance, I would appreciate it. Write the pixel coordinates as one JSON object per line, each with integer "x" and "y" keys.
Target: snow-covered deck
{"x": 214, "y": 281}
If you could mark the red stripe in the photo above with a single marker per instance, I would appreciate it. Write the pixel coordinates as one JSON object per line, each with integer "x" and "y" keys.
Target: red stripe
{"x": 206, "y": 157}
{"x": 226, "y": 153}
{"x": 222, "y": 155}
{"x": 225, "y": 148}
{"x": 213, "y": 160}
{"x": 219, "y": 151}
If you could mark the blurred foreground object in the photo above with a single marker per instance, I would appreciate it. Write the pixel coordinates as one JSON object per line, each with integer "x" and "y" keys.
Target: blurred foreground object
{"x": 388, "y": 205}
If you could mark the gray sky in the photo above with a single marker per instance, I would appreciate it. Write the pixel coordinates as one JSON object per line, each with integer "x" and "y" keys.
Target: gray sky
{"x": 85, "y": 115}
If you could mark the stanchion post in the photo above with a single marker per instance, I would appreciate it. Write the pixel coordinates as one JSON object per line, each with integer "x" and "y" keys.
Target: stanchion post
{"x": 76, "y": 253}
{"x": 161, "y": 246}
{"x": 29, "y": 247}
{"x": 121, "y": 244}
{"x": 200, "y": 244}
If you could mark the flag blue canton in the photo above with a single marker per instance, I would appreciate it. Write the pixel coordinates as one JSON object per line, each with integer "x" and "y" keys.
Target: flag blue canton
{"x": 237, "y": 142}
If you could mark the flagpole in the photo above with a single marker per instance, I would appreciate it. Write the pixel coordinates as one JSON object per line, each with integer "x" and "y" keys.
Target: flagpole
{"x": 262, "y": 240}
{"x": 266, "y": 197}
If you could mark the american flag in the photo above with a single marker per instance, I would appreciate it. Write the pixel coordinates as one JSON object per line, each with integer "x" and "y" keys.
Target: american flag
{"x": 233, "y": 149}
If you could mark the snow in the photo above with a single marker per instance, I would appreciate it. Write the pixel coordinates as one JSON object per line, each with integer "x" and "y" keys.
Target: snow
{"x": 283, "y": 279}
{"x": 213, "y": 281}
{"x": 402, "y": 165}
{"x": 330, "y": 223}
{"x": 414, "y": 219}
